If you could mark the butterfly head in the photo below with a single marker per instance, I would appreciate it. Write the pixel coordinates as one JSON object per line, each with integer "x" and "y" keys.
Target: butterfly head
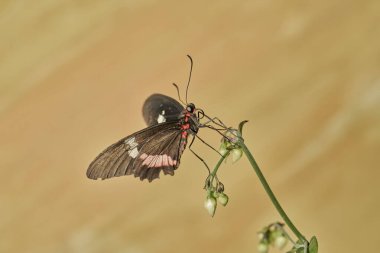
{"x": 190, "y": 108}
{"x": 196, "y": 113}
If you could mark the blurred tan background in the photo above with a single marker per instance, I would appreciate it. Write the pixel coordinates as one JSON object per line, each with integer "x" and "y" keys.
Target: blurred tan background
{"x": 73, "y": 78}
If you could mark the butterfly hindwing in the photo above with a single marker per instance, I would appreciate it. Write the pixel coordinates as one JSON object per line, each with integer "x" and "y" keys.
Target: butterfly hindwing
{"x": 161, "y": 153}
{"x": 159, "y": 108}
{"x": 143, "y": 154}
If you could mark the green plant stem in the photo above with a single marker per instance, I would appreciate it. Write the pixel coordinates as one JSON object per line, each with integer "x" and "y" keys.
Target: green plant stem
{"x": 270, "y": 192}
{"x": 215, "y": 170}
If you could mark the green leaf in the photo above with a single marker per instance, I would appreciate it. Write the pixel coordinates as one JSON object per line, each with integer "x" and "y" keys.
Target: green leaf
{"x": 313, "y": 245}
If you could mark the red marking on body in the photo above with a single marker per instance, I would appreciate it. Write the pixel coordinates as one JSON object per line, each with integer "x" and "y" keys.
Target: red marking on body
{"x": 187, "y": 116}
{"x": 185, "y": 126}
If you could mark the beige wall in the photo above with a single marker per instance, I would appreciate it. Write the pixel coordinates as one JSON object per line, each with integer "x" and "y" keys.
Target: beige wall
{"x": 73, "y": 77}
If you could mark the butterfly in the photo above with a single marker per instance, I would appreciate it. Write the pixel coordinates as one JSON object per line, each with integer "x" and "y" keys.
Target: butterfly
{"x": 156, "y": 148}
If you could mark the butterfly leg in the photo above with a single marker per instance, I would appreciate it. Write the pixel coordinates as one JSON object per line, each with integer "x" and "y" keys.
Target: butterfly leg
{"x": 200, "y": 158}
{"x": 219, "y": 121}
{"x": 217, "y": 130}
{"x": 208, "y": 183}
{"x": 208, "y": 145}
{"x": 216, "y": 121}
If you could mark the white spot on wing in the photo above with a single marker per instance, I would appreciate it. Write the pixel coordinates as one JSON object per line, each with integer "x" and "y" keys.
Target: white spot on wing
{"x": 133, "y": 153}
{"x": 130, "y": 140}
{"x": 161, "y": 118}
{"x": 132, "y": 150}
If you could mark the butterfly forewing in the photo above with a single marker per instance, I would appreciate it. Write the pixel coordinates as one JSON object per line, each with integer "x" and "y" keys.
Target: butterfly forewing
{"x": 159, "y": 108}
{"x": 143, "y": 154}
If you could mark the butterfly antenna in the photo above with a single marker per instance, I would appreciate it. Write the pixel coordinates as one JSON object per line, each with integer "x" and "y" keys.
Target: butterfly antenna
{"x": 179, "y": 96}
{"x": 191, "y": 70}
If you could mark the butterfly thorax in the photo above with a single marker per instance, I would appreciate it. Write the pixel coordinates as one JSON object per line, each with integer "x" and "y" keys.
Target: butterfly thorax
{"x": 189, "y": 121}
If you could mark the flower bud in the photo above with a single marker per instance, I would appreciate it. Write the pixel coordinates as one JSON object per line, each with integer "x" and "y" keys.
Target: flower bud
{"x": 236, "y": 154}
{"x": 210, "y": 205}
{"x": 261, "y": 236}
{"x": 262, "y": 247}
{"x": 280, "y": 242}
{"x": 215, "y": 194}
{"x": 223, "y": 199}
{"x": 223, "y": 149}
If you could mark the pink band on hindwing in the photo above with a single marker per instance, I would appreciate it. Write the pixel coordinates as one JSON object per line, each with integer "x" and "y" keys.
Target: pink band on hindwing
{"x": 157, "y": 161}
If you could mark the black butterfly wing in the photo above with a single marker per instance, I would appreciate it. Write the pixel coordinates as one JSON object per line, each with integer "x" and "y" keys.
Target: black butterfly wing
{"x": 144, "y": 154}
{"x": 159, "y": 108}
